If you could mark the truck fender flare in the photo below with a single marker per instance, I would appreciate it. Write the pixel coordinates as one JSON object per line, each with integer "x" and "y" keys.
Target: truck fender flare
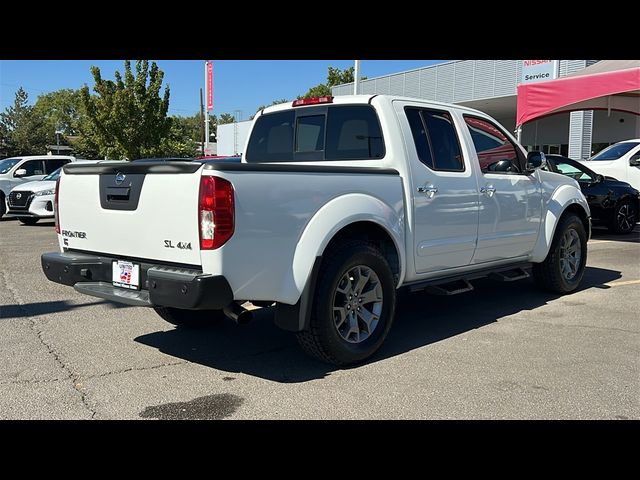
{"x": 554, "y": 207}
{"x": 319, "y": 231}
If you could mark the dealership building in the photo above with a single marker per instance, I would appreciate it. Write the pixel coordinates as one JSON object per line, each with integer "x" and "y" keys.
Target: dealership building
{"x": 490, "y": 86}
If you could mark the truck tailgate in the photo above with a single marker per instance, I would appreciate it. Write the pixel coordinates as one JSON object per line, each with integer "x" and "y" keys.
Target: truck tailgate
{"x": 136, "y": 210}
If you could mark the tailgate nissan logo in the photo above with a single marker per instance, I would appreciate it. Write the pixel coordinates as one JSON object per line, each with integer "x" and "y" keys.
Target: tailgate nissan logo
{"x": 120, "y": 178}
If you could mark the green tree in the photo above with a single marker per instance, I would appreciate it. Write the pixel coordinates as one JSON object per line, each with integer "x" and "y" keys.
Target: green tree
{"x": 226, "y": 118}
{"x": 128, "y": 118}
{"x": 180, "y": 141}
{"x": 335, "y": 76}
{"x": 20, "y": 127}
{"x": 58, "y": 111}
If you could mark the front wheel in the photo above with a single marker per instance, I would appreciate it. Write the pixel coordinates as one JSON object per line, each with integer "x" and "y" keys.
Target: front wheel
{"x": 624, "y": 218}
{"x": 189, "y": 318}
{"x": 563, "y": 268}
{"x": 354, "y": 305}
{"x": 28, "y": 220}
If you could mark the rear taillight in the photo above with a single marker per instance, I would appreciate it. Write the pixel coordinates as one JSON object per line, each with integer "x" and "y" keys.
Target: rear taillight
{"x": 216, "y": 212}
{"x": 56, "y": 208}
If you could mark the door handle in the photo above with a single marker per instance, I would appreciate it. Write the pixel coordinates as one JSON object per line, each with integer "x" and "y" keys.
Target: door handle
{"x": 488, "y": 190}
{"x": 428, "y": 190}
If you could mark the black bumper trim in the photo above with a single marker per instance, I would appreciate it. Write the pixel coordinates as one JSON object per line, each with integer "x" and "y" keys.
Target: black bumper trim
{"x": 137, "y": 298}
{"x": 161, "y": 285}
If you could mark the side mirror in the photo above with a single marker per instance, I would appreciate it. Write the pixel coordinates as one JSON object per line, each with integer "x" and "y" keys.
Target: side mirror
{"x": 599, "y": 178}
{"x": 635, "y": 160}
{"x": 536, "y": 160}
{"x": 21, "y": 172}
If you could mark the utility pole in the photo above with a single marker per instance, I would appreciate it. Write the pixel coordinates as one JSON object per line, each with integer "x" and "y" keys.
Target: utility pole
{"x": 206, "y": 122}
{"x": 356, "y": 77}
{"x": 202, "y": 121}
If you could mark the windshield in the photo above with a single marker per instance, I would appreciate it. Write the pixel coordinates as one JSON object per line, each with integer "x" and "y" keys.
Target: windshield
{"x": 573, "y": 171}
{"x": 53, "y": 175}
{"x": 614, "y": 152}
{"x": 7, "y": 164}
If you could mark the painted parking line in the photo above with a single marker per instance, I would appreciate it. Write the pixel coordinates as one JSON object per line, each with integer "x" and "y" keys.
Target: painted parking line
{"x": 625, "y": 282}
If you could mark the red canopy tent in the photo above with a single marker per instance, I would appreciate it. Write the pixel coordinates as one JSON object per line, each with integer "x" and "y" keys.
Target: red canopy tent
{"x": 606, "y": 85}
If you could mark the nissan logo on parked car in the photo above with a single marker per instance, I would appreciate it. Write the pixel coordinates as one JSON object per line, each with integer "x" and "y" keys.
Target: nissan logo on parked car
{"x": 120, "y": 178}
{"x": 18, "y": 196}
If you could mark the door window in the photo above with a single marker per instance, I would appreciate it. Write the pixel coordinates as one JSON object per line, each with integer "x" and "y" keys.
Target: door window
{"x": 496, "y": 153}
{"x": 54, "y": 164}
{"x": 33, "y": 167}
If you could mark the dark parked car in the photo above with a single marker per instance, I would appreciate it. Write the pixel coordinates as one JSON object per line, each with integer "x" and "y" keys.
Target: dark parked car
{"x": 613, "y": 203}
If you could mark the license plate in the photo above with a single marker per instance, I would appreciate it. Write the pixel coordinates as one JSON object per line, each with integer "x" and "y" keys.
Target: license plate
{"x": 126, "y": 274}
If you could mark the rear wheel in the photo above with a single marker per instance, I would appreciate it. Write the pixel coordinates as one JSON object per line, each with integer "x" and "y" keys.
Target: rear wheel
{"x": 562, "y": 270}
{"x": 354, "y": 305}
{"x": 624, "y": 218}
{"x": 28, "y": 220}
{"x": 190, "y": 318}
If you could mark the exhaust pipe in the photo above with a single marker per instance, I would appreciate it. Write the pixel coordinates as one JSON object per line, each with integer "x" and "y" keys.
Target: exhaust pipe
{"x": 238, "y": 313}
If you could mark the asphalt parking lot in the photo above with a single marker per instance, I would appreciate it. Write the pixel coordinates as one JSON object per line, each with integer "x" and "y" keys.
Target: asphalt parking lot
{"x": 503, "y": 351}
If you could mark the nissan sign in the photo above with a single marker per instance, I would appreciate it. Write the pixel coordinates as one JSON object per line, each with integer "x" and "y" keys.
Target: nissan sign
{"x": 538, "y": 70}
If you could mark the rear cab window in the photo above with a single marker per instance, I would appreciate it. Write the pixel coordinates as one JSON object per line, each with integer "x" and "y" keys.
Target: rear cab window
{"x": 336, "y": 132}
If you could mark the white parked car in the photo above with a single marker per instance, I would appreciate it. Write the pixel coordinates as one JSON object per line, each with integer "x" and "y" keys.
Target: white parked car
{"x": 32, "y": 201}
{"x": 334, "y": 205}
{"x": 18, "y": 170}
{"x": 620, "y": 161}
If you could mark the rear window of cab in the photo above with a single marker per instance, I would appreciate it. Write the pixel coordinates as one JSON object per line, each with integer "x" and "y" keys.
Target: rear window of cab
{"x": 350, "y": 132}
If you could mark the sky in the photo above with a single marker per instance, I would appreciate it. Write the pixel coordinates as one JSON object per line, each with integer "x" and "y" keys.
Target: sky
{"x": 238, "y": 84}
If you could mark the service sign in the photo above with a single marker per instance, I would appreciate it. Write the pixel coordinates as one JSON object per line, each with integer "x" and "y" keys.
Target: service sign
{"x": 538, "y": 70}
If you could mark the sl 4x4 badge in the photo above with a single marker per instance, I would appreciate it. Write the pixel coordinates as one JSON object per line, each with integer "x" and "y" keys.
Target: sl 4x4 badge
{"x": 180, "y": 245}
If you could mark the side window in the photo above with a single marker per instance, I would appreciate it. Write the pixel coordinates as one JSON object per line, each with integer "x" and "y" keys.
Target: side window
{"x": 419, "y": 136}
{"x": 436, "y": 140}
{"x": 444, "y": 142}
{"x": 53, "y": 165}
{"x": 310, "y": 134}
{"x": 33, "y": 167}
{"x": 353, "y": 133}
{"x": 272, "y": 138}
{"x": 496, "y": 153}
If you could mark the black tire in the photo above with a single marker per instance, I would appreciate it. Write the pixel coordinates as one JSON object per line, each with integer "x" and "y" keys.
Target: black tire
{"x": 322, "y": 340}
{"x": 548, "y": 274}
{"x": 3, "y": 205}
{"x": 28, "y": 220}
{"x": 190, "y": 318}
{"x": 624, "y": 218}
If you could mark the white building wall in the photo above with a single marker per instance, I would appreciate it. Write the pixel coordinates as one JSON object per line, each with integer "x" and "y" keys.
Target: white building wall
{"x": 550, "y": 130}
{"x": 610, "y": 128}
{"x": 232, "y": 137}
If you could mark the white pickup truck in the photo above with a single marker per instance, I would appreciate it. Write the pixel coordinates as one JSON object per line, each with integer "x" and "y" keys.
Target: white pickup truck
{"x": 336, "y": 203}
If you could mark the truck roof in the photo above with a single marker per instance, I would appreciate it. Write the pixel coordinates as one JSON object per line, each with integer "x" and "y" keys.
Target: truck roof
{"x": 364, "y": 99}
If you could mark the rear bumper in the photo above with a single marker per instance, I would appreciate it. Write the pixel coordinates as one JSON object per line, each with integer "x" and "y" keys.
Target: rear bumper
{"x": 161, "y": 285}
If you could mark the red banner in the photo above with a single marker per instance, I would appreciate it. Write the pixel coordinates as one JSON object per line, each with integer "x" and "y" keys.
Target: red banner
{"x": 209, "y": 86}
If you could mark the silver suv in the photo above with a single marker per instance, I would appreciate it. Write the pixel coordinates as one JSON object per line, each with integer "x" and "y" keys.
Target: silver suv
{"x": 17, "y": 170}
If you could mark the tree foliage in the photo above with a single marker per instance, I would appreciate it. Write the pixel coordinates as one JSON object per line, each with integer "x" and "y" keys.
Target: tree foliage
{"x": 128, "y": 117}
{"x": 335, "y": 76}
{"x": 226, "y": 118}
{"x": 20, "y": 129}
